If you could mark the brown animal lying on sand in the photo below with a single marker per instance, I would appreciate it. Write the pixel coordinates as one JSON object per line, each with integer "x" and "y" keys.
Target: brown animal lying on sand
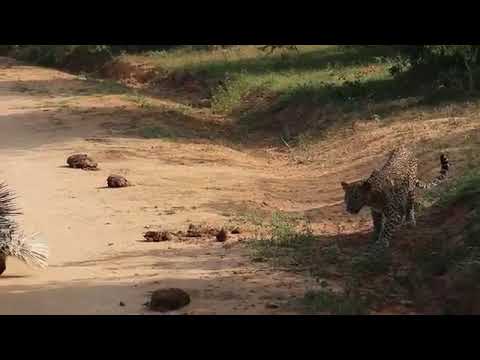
{"x": 117, "y": 181}
{"x": 82, "y": 161}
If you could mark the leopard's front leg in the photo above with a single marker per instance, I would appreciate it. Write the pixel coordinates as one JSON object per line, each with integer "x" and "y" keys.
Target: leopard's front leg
{"x": 391, "y": 221}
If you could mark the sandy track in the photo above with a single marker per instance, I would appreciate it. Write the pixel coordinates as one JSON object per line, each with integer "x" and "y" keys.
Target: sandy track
{"x": 97, "y": 259}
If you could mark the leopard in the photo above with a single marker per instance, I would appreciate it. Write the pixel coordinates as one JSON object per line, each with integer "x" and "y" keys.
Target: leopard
{"x": 390, "y": 193}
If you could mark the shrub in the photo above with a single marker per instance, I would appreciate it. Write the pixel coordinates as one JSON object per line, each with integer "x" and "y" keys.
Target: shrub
{"x": 450, "y": 65}
{"x": 77, "y": 57}
{"x": 61, "y": 55}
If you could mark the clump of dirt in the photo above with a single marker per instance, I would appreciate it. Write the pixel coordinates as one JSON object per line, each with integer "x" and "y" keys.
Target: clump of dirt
{"x": 128, "y": 72}
{"x": 82, "y": 161}
{"x": 168, "y": 300}
{"x": 198, "y": 231}
{"x": 185, "y": 80}
{"x": 222, "y": 236}
{"x": 201, "y": 232}
{"x": 157, "y": 236}
{"x": 117, "y": 181}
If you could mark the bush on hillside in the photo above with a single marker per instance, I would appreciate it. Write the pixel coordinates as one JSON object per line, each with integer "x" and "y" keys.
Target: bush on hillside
{"x": 84, "y": 57}
{"x": 60, "y": 55}
{"x": 453, "y": 66}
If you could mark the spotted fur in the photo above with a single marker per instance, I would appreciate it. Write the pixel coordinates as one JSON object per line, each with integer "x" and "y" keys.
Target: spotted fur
{"x": 390, "y": 193}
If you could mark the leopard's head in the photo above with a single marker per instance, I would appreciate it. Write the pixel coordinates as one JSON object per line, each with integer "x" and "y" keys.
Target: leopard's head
{"x": 356, "y": 195}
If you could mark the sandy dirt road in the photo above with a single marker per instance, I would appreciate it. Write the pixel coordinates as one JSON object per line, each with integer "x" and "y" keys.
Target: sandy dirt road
{"x": 97, "y": 257}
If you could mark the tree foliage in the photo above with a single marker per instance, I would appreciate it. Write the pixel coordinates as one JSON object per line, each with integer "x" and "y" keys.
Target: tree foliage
{"x": 270, "y": 49}
{"x": 452, "y": 65}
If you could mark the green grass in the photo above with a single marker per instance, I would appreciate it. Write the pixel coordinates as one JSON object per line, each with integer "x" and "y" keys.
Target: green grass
{"x": 315, "y": 69}
{"x": 285, "y": 245}
{"x": 107, "y": 86}
{"x": 287, "y": 241}
{"x": 140, "y": 100}
{"x": 342, "y": 83}
{"x": 465, "y": 189}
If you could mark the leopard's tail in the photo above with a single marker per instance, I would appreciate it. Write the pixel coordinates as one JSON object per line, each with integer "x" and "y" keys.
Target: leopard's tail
{"x": 445, "y": 167}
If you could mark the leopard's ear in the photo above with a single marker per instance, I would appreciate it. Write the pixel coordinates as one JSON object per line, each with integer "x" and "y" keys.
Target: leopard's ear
{"x": 344, "y": 185}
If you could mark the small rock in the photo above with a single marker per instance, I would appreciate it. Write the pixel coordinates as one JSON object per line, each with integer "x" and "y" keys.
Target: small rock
{"x": 236, "y": 231}
{"x": 169, "y": 300}
{"x": 117, "y": 181}
{"x": 222, "y": 236}
{"x": 194, "y": 231}
{"x": 205, "y": 102}
{"x": 272, "y": 306}
{"x": 82, "y": 161}
{"x": 157, "y": 236}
